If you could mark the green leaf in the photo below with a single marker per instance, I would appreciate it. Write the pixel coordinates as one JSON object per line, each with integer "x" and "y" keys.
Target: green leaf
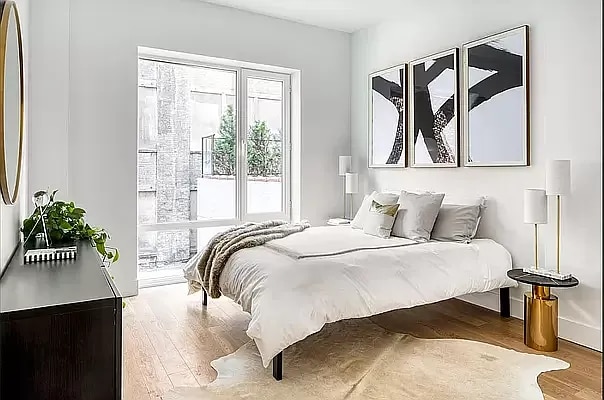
{"x": 56, "y": 235}
{"x": 100, "y": 246}
{"x": 28, "y": 225}
{"x": 65, "y": 225}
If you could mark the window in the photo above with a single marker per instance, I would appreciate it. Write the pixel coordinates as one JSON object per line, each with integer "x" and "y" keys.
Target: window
{"x": 213, "y": 151}
{"x": 264, "y": 145}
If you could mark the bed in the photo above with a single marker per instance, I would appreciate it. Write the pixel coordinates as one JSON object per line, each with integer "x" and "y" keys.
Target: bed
{"x": 336, "y": 272}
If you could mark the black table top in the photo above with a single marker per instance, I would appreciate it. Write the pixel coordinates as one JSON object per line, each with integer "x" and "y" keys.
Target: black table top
{"x": 519, "y": 275}
{"x": 52, "y": 283}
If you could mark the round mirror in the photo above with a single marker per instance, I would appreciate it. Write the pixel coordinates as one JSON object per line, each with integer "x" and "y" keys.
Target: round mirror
{"x": 11, "y": 102}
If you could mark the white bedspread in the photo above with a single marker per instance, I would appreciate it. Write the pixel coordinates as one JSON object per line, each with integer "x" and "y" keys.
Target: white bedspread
{"x": 290, "y": 299}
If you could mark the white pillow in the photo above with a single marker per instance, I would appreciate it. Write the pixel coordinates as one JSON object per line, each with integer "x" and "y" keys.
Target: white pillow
{"x": 417, "y": 214}
{"x": 382, "y": 198}
{"x": 357, "y": 221}
{"x": 380, "y": 219}
{"x": 465, "y": 200}
{"x": 456, "y": 223}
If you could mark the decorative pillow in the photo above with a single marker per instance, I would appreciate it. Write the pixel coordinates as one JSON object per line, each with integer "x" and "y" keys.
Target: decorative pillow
{"x": 380, "y": 219}
{"x": 465, "y": 200}
{"x": 357, "y": 221}
{"x": 382, "y": 198}
{"x": 456, "y": 223}
{"x": 416, "y": 215}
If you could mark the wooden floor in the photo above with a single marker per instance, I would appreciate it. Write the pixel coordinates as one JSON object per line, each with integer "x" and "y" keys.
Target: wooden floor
{"x": 170, "y": 339}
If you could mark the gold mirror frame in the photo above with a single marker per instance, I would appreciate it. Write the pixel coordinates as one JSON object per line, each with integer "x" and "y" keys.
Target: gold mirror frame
{"x": 7, "y": 8}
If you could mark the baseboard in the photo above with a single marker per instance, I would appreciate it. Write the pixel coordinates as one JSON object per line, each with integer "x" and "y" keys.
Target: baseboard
{"x": 573, "y": 331}
{"x": 166, "y": 280}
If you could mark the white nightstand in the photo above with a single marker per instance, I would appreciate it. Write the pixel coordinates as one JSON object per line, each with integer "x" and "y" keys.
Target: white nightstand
{"x": 338, "y": 222}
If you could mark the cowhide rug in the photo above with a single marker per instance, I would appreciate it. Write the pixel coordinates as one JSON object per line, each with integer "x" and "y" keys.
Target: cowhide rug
{"x": 357, "y": 359}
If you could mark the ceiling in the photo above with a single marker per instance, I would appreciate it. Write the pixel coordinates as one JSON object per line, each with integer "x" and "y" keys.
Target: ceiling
{"x": 341, "y": 15}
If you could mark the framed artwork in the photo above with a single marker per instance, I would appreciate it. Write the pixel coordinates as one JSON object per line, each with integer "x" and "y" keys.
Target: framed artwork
{"x": 496, "y": 100}
{"x": 388, "y": 117}
{"x": 433, "y": 110}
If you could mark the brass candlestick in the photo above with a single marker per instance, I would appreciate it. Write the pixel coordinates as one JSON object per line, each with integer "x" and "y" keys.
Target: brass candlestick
{"x": 536, "y": 247}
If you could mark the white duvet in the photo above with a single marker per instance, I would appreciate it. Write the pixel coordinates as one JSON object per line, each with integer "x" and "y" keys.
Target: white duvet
{"x": 290, "y": 299}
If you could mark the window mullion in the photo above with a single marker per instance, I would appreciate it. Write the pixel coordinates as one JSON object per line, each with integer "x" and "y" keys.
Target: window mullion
{"x": 241, "y": 175}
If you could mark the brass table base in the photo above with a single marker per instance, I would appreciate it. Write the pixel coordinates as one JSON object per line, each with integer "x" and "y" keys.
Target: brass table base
{"x": 541, "y": 319}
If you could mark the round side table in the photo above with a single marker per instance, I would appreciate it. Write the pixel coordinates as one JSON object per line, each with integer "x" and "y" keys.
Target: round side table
{"x": 541, "y": 309}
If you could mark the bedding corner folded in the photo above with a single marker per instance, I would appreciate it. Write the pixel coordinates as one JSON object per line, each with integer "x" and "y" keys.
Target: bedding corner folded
{"x": 204, "y": 270}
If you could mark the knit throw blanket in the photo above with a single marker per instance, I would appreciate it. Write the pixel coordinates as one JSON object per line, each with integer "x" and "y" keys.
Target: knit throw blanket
{"x": 223, "y": 245}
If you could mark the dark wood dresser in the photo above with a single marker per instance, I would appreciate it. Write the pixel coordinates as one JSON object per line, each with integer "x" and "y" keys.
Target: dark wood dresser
{"x": 60, "y": 330}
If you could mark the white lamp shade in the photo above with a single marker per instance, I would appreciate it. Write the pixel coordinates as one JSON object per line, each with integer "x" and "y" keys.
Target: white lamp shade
{"x": 557, "y": 177}
{"x": 344, "y": 165}
{"x": 352, "y": 183}
{"x": 535, "y": 206}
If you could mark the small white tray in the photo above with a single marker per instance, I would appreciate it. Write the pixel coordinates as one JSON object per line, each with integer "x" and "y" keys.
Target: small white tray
{"x": 50, "y": 254}
{"x": 548, "y": 273}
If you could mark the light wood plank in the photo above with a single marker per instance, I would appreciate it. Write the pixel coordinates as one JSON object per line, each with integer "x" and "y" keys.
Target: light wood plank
{"x": 157, "y": 331}
{"x": 134, "y": 381}
{"x": 588, "y": 394}
{"x": 183, "y": 379}
{"x": 142, "y": 353}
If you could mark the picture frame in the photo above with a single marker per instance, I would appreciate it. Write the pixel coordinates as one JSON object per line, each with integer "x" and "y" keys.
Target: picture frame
{"x": 387, "y": 110}
{"x": 434, "y": 110}
{"x": 496, "y": 100}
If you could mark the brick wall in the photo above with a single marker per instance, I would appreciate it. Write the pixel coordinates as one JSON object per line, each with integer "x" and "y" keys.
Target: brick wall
{"x": 173, "y": 183}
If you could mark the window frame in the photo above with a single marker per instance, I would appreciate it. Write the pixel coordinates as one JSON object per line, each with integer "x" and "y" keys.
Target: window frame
{"x": 241, "y": 214}
{"x": 285, "y": 79}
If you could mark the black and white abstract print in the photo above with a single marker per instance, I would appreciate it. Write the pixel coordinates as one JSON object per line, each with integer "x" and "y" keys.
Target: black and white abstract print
{"x": 387, "y": 117}
{"x": 495, "y": 94}
{"x": 434, "y": 122}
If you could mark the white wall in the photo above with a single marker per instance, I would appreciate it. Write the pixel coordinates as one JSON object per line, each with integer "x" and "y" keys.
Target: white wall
{"x": 84, "y": 98}
{"x": 49, "y": 95}
{"x": 11, "y": 216}
{"x": 566, "y": 122}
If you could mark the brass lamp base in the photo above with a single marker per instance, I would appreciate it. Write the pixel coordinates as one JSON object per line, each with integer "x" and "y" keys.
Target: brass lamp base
{"x": 541, "y": 319}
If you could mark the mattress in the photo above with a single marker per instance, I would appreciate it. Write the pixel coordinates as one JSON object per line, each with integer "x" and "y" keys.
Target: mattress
{"x": 290, "y": 299}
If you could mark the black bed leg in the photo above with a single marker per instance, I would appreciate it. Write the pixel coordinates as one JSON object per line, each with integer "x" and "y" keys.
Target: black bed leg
{"x": 204, "y": 300}
{"x": 278, "y": 366}
{"x": 504, "y": 302}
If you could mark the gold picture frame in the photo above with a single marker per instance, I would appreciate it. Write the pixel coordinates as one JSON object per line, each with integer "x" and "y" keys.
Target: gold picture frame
{"x": 10, "y": 194}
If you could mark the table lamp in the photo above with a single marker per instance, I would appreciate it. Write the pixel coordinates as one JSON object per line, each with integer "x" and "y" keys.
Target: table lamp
{"x": 557, "y": 183}
{"x": 352, "y": 186}
{"x": 344, "y": 167}
{"x": 535, "y": 212}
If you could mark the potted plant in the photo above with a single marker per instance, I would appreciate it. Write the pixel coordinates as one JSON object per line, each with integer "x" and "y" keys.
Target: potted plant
{"x": 65, "y": 224}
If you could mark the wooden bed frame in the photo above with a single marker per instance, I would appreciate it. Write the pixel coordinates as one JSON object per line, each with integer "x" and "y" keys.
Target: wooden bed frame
{"x": 504, "y": 312}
